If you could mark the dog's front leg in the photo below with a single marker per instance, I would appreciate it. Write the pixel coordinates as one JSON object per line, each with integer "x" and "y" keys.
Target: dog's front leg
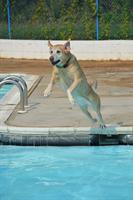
{"x": 70, "y": 97}
{"x": 71, "y": 89}
{"x": 49, "y": 88}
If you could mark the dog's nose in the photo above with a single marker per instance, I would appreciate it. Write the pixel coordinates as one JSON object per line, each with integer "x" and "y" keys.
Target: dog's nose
{"x": 51, "y": 59}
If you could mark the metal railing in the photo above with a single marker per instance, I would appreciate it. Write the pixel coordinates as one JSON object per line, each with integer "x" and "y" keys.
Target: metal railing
{"x": 21, "y": 85}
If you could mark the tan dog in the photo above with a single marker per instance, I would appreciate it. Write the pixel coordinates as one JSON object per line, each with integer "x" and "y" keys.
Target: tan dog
{"x": 73, "y": 80}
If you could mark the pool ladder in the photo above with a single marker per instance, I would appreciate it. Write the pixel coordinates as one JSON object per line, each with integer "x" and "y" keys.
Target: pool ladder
{"x": 22, "y": 86}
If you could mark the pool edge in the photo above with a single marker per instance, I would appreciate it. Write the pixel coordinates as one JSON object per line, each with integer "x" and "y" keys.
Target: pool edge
{"x": 61, "y": 136}
{"x": 65, "y": 136}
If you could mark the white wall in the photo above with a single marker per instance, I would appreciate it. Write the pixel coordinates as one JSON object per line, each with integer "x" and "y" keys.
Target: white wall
{"x": 83, "y": 50}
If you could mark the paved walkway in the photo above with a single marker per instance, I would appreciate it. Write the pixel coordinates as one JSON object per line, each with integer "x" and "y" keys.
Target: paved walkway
{"x": 56, "y": 111}
{"x": 53, "y": 121}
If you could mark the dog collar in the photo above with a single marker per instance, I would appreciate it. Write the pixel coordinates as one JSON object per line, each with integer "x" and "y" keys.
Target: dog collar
{"x": 65, "y": 65}
{"x": 55, "y": 63}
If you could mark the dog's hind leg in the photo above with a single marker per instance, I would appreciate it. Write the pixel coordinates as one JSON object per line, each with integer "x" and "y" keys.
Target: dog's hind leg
{"x": 97, "y": 108}
{"x": 84, "y": 108}
{"x": 102, "y": 125}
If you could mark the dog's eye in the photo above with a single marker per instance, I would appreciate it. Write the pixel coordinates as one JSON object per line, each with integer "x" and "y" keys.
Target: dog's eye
{"x": 58, "y": 51}
{"x": 51, "y": 51}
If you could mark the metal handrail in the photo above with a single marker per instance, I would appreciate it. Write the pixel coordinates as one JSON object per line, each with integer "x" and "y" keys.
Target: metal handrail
{"x": 23, "y": 84}
{"x": 19, "y": 86}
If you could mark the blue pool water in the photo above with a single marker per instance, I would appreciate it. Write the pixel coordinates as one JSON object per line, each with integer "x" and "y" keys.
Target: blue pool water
{"x": 67, "y": 173}
{"x": 4, "y": 89}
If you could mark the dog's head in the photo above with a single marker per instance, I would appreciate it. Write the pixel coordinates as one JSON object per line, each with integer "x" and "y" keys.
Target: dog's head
{"x": 59, "y": 53}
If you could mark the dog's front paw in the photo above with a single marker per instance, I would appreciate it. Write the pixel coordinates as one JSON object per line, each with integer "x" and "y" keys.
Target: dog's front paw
{"x": 48, "y": 91}
{"x": 70, "y": 97}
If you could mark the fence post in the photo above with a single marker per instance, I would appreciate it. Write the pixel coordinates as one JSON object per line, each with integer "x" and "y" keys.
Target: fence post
{"x": 97, "y": 20}
{"x": 9, "y": 19}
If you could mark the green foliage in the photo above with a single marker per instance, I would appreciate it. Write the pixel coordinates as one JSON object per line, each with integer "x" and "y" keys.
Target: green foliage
{"x": 116, "y": 20}
{"x": 63, "y": 19}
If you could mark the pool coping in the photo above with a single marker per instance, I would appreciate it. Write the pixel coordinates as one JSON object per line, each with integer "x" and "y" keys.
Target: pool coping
{"x": 65, "y": 136}
{"x": 60, "y": 136}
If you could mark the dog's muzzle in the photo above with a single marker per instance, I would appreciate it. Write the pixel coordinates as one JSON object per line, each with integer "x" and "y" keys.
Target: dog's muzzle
{"x": 52, "y": 60}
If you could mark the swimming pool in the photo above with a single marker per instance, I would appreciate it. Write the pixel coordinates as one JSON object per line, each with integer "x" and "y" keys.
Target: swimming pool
{"x": 4, "y": 89}
{"x": 72, "y": 173}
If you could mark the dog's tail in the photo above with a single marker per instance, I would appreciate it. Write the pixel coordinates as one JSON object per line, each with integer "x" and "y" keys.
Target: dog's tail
{"x": 94, "y": 85}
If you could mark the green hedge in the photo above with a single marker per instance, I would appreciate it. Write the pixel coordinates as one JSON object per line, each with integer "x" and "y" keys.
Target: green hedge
{"x": 75, "y": 19}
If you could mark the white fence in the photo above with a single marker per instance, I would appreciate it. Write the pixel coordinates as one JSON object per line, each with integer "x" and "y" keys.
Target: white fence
{"x": 83, "y": 50}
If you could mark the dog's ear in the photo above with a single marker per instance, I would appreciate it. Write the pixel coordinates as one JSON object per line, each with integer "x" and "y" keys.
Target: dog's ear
{"x": 49, "y": 44}
{"x": 67, "y": 46}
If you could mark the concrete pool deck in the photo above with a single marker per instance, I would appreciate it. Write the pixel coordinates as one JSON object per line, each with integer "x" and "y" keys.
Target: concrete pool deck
{"x": 53, "y": 121}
